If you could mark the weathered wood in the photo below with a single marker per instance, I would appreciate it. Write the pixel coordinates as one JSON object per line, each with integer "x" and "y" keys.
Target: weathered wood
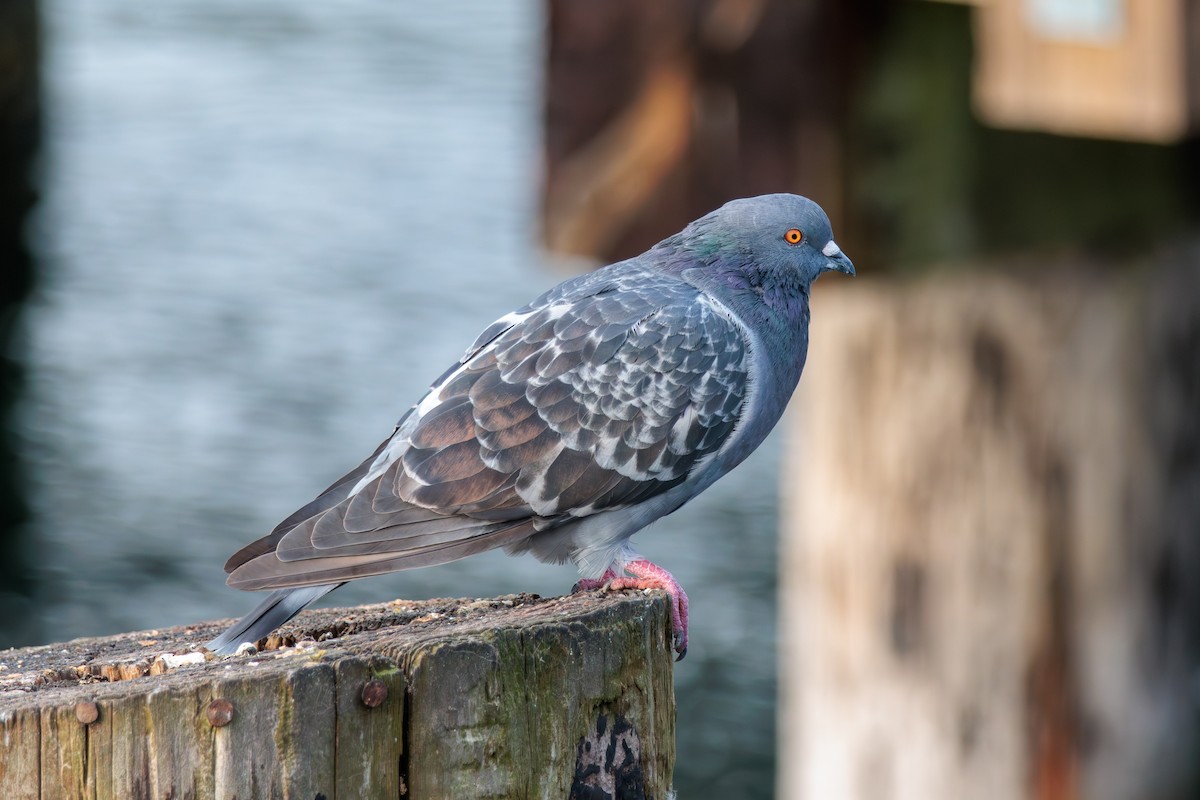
{"x": 179, "y": 743}
{"x": 505, "y": 698}
{"x": 991, "y": 557}
{"x": 370, "y": 741}
{"x": 20, "y": 741}
{"x": 483, "y": 701}
{"x": 63, "y": 754}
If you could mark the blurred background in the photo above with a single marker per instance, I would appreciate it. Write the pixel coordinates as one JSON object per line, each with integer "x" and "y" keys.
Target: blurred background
{"x": 238, "y": 240}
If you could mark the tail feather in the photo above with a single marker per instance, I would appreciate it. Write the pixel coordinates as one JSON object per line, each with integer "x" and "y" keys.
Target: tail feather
{"x": 278, "y": 607}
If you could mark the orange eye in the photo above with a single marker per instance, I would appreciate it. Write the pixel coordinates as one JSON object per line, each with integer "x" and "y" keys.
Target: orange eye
{"x": 794, "y": 236}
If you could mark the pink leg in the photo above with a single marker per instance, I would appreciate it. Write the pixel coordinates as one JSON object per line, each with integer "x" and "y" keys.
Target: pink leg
{"x": 648, "y": 575}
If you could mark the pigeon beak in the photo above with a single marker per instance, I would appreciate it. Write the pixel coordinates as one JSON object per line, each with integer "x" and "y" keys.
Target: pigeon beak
{"x": 837, "y": 259}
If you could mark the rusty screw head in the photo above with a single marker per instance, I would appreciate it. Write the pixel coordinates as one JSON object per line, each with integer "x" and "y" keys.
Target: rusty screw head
{"x": 374, "y": 692}
{"x": 219, "y": 712}
{"x": 87, "y": 712}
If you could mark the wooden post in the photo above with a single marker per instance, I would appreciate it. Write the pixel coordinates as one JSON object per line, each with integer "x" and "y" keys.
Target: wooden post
{"x": 517, "y": 697}
{"x": 991, "y": 576}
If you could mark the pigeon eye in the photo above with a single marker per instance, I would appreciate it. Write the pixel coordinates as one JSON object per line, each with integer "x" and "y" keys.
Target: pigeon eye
{"x": 794, "y": 236}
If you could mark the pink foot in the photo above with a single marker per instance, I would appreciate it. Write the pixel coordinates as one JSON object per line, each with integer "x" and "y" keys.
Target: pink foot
{"x": 648, "y": 575}
{"x": 588, "y": 584}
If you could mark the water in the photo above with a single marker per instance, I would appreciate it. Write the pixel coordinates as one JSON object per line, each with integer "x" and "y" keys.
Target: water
{"x": 266, "y": 227}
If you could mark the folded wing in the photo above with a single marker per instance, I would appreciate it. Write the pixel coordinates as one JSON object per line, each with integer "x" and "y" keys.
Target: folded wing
{"x": 574, "y": 406}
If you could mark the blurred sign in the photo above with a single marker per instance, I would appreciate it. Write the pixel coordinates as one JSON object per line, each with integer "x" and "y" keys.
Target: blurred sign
{"x": 1076, "y": 20}
{"x": 1118, "y": 69}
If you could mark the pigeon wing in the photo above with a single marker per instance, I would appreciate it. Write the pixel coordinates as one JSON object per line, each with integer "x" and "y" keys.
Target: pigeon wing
{"x": 573, "y": 406}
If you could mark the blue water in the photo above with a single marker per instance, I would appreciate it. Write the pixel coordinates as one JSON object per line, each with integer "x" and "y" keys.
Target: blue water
{"x": 266, "y": 227}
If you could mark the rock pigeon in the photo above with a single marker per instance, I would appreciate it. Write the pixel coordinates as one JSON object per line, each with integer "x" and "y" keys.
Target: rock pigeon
{"x": 575, "y": 421}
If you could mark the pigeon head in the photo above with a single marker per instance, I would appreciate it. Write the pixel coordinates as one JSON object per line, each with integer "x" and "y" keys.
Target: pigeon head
{"x": 766, "y": 249}
{"x": 777, "y": 231}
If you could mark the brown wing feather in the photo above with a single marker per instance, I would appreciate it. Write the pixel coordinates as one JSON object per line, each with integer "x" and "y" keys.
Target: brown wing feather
{"x": 334, "y": 494}
{"x": 268, "y": 572}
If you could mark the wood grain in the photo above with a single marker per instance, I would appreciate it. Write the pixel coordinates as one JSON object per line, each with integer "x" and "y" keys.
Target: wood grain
{"x": 989, "y": 546}
{"x": 474, "y": 698}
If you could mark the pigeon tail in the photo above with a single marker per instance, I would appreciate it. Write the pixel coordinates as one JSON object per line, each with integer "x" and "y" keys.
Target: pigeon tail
{"x": 278, "y": 607}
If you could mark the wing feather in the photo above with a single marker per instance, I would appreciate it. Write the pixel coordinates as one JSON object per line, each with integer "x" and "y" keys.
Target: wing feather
{"x": 591, "y": 399}
{"x": 267, "y": 571}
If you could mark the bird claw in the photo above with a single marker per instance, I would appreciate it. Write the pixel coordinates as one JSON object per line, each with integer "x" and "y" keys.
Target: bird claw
{"x": 679, "y": 640}
{"x": 648, "y": 575}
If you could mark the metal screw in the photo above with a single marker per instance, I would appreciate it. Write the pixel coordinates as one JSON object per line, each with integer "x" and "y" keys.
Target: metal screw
{"x": 374, "y": 692}
{"x": 87, "y": 712}
{"x": 219, "y": 713}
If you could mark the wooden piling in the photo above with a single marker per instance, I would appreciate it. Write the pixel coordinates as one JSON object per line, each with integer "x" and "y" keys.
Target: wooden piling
{"x": 991, "y": 560}
{"x": 516, "y": 697}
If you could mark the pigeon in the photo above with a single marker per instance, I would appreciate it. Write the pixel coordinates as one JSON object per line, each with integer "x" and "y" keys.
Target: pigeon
{"x": 574, "y": 422}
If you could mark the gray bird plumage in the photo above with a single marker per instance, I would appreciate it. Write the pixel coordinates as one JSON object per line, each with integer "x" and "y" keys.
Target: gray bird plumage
{"x": 571, "y": 423}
